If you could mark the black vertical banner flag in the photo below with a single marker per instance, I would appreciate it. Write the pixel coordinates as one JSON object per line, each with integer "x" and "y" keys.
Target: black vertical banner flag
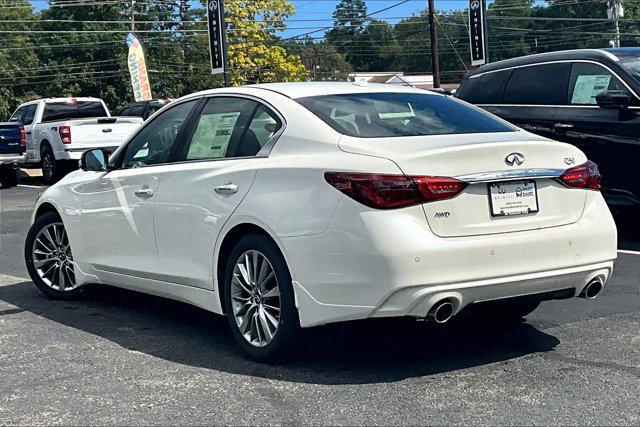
{"x": 215, "y": 21}
{"x": 477, "y": 32}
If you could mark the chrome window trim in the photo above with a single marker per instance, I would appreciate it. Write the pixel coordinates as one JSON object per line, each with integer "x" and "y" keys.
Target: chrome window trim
{"x": 503, "y": 175}
{"x": 563, "y": 61}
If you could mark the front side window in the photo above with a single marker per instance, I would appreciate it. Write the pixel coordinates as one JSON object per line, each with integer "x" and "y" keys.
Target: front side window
{"x": 589, "y": 80}
{"x": 230, "y": 127}
{"x": 18, "y": 115}
{"x": 29, "y": 114}
{"x": 390, "y": 114}
{"x": 57, "y": 111}
{"x": 154, "y": 143}
{"x": 544, "y": 84}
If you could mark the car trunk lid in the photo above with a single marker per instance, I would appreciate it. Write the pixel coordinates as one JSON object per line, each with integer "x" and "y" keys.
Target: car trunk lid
{"x": 481, "y": 160}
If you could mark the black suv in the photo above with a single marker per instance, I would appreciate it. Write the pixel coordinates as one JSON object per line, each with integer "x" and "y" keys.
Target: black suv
{"x": 588, "y": 98}
{"x": 143, "y": 108}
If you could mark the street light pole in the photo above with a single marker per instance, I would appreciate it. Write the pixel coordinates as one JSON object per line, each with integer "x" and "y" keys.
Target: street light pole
{"x": 435, "y": 59}
{"x": 133, "y": 15}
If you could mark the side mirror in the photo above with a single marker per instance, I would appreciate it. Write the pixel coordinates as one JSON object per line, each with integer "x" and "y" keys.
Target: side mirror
{"x": 613, "y": 100}
{"x": 94, "y": 160}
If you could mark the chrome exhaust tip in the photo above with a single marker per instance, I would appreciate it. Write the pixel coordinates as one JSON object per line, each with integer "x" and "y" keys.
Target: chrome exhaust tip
{"x": 441, "y": 312}
{"x": 592, "y": 289}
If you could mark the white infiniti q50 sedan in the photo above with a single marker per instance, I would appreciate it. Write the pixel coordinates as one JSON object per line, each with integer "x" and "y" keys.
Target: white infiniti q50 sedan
{"x": 286, "y": 206}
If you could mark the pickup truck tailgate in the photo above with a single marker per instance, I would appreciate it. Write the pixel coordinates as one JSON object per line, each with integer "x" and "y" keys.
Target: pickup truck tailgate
{"x": 103, "y": 132}
{"x": 10, "y": 139}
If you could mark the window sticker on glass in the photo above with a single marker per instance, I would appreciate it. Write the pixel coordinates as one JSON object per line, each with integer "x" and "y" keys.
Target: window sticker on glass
{"x": 211, "y": 138}
{"x": 588, "y": 87}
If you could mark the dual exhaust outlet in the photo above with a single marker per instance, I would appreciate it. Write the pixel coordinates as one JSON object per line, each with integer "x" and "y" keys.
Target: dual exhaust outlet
{"x": 442, "y": 311}
{"x": 592, "y": 289}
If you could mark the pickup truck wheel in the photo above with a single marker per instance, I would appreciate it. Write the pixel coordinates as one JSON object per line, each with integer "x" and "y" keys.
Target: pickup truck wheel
{"x": 50, "y": 167}
{"x": 9, "y": 177}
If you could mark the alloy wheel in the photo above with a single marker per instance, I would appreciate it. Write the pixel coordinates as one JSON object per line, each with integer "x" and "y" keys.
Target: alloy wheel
{"x": 47, "y": 166}
{"x": 52, "y": 258}
{"x": 255, "y": 298}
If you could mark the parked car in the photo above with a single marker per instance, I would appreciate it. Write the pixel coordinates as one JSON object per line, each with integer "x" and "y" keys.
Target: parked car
{"x": 12, "y": 152}
{"x": 588, "y": 98}
{"x": 143, "y": 109}
{"x": 59, "y": 130}
{"x": 299, "y": 204}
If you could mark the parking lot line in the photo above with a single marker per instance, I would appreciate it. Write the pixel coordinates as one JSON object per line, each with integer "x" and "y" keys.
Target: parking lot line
{"x": 626, "y": 251}
{"x": 32, "y": 186}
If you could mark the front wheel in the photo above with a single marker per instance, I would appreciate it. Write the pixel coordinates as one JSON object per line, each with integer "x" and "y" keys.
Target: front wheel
{"x": 49, "y": 260}
{"x": 259, "y": 300}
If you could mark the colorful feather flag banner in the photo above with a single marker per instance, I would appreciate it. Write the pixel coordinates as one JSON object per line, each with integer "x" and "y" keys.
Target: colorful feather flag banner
{"x": 138, "y": 70}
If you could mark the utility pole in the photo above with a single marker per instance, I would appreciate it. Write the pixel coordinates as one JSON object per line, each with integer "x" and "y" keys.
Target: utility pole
{"x": 615, "y": 11}
{"x": 435, "y": 59}
{"x": 133, "y": 15}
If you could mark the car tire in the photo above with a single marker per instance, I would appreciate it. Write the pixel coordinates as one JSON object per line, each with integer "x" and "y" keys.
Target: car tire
{"x": 250, "y": 306}
{"x": 39, "y": 248}
{"x": 51, "y": 168}
{"x": 9, "y": 177}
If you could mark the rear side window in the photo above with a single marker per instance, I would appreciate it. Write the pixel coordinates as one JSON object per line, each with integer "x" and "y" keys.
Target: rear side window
{"x": 589, "y": 80}
{"x": 544, "y": 84}
{"x": 378, "y": 115}
{"x": 57, "y": 111}
{"x": 484, "y": 89}
{"x": 137, "y": 110}
{"x": 125, "y": 111}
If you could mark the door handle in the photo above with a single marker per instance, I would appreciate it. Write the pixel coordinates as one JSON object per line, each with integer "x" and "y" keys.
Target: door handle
{"x": 229, "y": 188}
{"x": 144, "y": 193}
{"x": 563, "y": 126}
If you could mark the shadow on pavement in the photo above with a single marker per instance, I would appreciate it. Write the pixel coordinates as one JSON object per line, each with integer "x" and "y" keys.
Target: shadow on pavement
{"x": 378, "y": 350}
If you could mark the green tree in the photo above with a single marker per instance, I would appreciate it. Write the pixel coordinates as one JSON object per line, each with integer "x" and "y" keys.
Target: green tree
{"x": 349, "y": 23}
{"x": 253, "y": 53}
{"x": 17, "y": 56}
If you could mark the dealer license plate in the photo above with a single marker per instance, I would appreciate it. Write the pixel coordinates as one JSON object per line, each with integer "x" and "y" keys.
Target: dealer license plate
{"x": 513, "y": 198}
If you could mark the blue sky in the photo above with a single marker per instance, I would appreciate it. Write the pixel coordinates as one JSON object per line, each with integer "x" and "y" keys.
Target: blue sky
{"x": 322, "y": 9}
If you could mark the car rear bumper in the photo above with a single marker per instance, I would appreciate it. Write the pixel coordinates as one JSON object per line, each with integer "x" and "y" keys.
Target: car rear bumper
{"x": 389, "y": 263}
{"x": 418, "y": 300}
{"x": 12, "y": 159}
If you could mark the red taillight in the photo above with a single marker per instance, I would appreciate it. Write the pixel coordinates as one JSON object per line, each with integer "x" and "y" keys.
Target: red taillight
{"x": 394, "y": 191}
{"x": 23, "y": 137}
{"x": 585, "y": 175}
{"x": 65, "y": 134}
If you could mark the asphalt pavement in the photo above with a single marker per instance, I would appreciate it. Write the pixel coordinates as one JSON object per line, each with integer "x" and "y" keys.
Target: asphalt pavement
{"x": 120, "y": 357}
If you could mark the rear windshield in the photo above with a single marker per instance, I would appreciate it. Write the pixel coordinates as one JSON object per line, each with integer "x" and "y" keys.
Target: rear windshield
{"x": 56, "y": 111}
{"x": 377, "y": 115}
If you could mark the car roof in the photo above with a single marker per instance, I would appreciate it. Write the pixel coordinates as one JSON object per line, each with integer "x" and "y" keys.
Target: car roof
{"x": 602, "y": 55}
{"x": 304, "y": 89}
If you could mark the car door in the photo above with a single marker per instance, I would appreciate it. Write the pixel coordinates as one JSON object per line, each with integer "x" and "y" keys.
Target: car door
{"x": 532, "y": 96}
{"x": 216, "y": 167}
{"x": 117, "y": 212}
{"x": 27, "y": 122}
{"x": 608, "y": 137}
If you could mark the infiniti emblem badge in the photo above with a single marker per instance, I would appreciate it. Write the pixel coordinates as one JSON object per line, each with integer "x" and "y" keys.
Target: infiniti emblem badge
{"x": 514, "y": 159}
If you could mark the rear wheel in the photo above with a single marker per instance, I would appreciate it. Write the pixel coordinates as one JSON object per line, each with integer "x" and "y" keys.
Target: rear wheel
{"x": 49, "y": 259}
{"x": 51, "y": 168}
{"x": 259, "y": 301}
{"x": 9, "y": 177}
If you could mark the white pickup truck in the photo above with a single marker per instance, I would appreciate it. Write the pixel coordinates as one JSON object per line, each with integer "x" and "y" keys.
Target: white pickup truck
{"x": 59, "y": 130}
